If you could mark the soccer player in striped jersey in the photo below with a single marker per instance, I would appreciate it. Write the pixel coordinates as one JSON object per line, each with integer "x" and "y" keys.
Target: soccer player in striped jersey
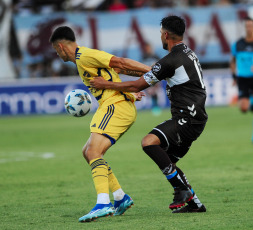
{"x": 114, "y": 116}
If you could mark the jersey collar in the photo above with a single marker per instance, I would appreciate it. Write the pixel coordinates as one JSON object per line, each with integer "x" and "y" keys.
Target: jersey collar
{"x": 77, "y": 48}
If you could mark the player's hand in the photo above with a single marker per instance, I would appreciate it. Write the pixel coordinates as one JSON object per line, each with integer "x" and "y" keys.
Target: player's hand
{"x": 98, "y": 83}
{"x": 139, "y": 95}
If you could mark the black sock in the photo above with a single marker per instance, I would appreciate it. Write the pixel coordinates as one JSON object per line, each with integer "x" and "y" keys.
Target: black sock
{"x": 195, "y": 202}
{"x": 176, "y": 181}
{"x": 186, "y": 182}
{"x": 161, "y": 158}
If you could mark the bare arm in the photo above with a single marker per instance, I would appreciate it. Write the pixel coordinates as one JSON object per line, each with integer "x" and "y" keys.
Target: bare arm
{"x": 128, "y": 66}
{"x": 233, "y": 68}
{"x": 128, "y": 86}
{"x": 232, "y": 65}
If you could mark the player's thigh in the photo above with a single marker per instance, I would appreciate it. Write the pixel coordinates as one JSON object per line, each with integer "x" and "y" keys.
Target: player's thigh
{"x": 244, "y": 88}
{"x": 114, "y": 120}
{"x": 177, "y": 135}
{"x": 167, "y": 133}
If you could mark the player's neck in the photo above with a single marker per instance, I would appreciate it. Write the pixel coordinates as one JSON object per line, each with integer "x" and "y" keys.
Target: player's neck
{"x": 72, "y": 52}
{"x": 249, "y": 38}
{"x": 173, "y": 43}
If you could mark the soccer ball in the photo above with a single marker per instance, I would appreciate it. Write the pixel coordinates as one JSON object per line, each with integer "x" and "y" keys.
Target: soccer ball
{"x": 78, "y": 103}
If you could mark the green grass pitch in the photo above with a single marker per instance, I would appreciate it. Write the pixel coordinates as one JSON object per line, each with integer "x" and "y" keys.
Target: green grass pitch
{"x": 46, "y": 184}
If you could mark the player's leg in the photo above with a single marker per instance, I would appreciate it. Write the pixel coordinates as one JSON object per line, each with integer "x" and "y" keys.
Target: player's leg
{"x": 122, "y": 201}
{"x": 111, "y": 122}
{"x": 122, "y": 119}
{"x": 244, "y": 85}
{"x": 153, "y": 145}
{"x": 244, "y": 104}
{"x": 194, "y": 205}
{"x": 93, "y": 151}
{"x": 245, "y": 88}
{"x": 176, "y": 153}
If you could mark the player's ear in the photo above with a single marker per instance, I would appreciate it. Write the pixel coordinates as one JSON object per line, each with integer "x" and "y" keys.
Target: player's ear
{"x": 166, "y": 35}
{"x": 60, "y": 45}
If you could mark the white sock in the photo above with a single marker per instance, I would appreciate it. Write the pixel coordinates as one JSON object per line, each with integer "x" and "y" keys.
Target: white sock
{"x": 197, "y": 201}
{"x": 118, "y": 194}
{"x": 103, "y": 198}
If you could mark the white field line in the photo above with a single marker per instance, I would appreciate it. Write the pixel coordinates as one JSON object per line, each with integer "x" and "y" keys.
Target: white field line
{"x": 23, "y": 156}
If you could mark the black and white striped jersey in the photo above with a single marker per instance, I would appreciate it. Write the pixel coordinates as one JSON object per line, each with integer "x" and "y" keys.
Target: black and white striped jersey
{"x": 185, "y": 87}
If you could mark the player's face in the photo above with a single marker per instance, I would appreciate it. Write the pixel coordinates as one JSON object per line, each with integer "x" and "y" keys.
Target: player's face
{"x": 163, "y": 38}
{"x": 249, "y": 27}
{"x": 60, "y": 51}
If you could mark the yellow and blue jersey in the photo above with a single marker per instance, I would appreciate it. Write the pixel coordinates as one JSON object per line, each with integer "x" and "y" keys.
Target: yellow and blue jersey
{"x": 92, "y": 63}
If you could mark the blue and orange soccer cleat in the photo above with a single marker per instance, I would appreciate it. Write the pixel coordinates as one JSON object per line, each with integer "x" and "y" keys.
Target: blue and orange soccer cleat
{"x": 100, "y": 210}
{"x": 122, "y": 205}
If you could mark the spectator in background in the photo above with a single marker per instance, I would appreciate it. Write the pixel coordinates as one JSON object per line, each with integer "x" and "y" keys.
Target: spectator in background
{"x": 150, "y": 58}
{"x": 117, "y": 5}
{"x": 242, "y": 67}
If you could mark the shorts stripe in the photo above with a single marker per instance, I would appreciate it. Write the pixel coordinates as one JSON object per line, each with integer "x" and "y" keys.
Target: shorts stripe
{"x": 112, "y": 112}
{"x": 107, "y": 117}
{"x": 163, "y": 135}
{"x": 104, "y": 117}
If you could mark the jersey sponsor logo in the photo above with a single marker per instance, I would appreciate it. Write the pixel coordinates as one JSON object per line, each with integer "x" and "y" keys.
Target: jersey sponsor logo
{"x": 156, "y": 68}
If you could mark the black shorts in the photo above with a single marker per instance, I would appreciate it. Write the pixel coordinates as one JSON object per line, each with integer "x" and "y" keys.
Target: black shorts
{"x": 245, "y": 87}
{"x": 177, "y": 135}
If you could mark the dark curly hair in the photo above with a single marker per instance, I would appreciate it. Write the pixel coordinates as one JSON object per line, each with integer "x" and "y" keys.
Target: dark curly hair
{"x": 174, "y": 24}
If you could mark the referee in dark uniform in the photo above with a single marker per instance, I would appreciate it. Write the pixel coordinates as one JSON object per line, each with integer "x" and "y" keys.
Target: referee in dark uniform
{"x": 170, "y": 141}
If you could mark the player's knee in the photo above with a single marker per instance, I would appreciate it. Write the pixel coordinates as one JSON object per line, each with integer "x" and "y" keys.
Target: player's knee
{"x": 84, "y": 151}
{"x": 145, "y": 142}
{"x": 150, "y": 139}
{"x": 91, "y": 154}
{"x": 88, "y": 154}
{"x": 244, "y": 105}
{"x": 244, "y": 109}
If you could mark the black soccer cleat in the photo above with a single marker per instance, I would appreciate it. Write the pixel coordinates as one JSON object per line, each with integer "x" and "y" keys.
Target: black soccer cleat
{"x": 180, "y": 198}
{"x": 188, "y": 209}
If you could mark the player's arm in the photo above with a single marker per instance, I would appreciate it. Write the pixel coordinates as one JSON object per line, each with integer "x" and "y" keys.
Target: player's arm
{"x": 233, "y": 68}
{"x": 127, "y": 86}
{"x": 232, "y": 63}
{"x": 128, "y": 66}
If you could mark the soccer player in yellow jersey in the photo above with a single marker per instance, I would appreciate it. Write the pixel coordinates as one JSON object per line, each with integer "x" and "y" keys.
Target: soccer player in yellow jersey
{"x": 114, "y": 116}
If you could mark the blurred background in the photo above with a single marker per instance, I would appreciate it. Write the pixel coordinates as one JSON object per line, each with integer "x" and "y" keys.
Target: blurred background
{"x": 33, "y": 80}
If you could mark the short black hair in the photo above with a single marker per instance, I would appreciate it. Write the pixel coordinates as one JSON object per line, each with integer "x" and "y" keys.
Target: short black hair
{"x": 63, "y": 32}
{"x": 174, "y": 24}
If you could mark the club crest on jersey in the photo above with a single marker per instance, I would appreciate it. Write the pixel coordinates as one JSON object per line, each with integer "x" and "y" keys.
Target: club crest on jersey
{"x": 156, "y": 68}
